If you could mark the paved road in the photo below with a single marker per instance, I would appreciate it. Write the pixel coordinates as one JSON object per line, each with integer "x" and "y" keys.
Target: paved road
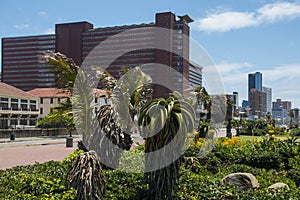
{"x": 27, "y": 151}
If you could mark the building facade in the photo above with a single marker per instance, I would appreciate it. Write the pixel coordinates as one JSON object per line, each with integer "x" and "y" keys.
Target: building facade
{"x": 23, "y": 68}
{"x": 255, "y": 81}
{"x": 257, "y": 103}
{"x": 257, "y": 98}
{"x": 48, "y": 98}
{"x": 280, "y": 110}
{"x": 268, "y": 92}
{"x": 51, "y": 97}
{"x": 195, "y": 75}
{"x": 17, "y": 108}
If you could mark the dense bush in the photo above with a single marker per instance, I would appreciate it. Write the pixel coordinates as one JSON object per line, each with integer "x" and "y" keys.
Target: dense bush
{"x": 270, "y": 160}
{"x": 295, "y": 132}
{"x": 39, "y": 181}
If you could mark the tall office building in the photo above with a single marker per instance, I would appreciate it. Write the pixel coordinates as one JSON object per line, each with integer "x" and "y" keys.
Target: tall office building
{"x": 235, "y": 101}
{"x": 23, "y": 68}
{"x": 268, "y": 92}
{"x": 256, "y": 95}
{"x": 21, "y": 63}
{"x": 255, "y": 81}
{"x": 195, "y": 75}
{"x": 257, "y": 103}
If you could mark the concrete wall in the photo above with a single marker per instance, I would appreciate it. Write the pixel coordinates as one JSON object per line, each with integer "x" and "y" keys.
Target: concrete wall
{"x": 5, "y": 133}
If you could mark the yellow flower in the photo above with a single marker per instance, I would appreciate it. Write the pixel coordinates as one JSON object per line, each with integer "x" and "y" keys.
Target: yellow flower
{"x": 198, "y": 143}
{"x": 196, "y": 133}
{"x": 273, "y": 136}
{"x": 271, "y": 131}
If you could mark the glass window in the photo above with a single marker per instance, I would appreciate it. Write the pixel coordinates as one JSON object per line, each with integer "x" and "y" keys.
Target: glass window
{"x": 32, "y": 107}
{"x": 14, "y": 100}
{"x": 4, "y": 99}
{"x": 24, "y": 106}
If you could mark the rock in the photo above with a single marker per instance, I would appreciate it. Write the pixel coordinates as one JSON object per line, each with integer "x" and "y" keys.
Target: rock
{"x": 242, "y": 181}
{"x": 278, "y": 186}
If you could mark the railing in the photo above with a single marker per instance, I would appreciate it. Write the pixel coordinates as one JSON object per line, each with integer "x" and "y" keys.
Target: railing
{"x": 19, "y": 109}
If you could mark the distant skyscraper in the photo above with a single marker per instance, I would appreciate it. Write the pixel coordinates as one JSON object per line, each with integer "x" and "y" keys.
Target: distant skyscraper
{"x": 244, "y": 104}
{"x": 235, "y": 99}
{"x": 280, "y": 110}
{"x": 256, "y": 96}
{"x": 257, "y": 102}
{"x": 268, "y": 92}
{"x": 255, "y": 81}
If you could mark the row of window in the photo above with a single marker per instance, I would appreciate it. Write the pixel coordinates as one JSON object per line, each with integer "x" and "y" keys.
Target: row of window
{"x": 4, "y": 99}
{"x": 28, "y": 52}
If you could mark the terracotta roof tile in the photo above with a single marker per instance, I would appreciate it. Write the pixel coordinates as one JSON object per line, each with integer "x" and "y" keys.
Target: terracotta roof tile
{"x": 11, "y": 91}
{"x": 47, "y": 92}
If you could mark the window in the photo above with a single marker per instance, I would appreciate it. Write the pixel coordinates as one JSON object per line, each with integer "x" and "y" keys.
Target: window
{"x": 24, "y": 106}
{"x": 51, "y": 100}
{"x": 32, "y": 107}
{"x": 96, "y": 100}
{"x": 58, "y": 100}
{"x": 4, "y": 106}
{"x": 4, "y": 99}
{"x": 42, "y": 100}
{"x": 41, "y": 111}
{"x": 15, "y": 100}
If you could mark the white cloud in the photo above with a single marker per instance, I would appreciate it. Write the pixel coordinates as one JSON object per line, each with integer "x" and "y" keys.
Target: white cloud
{"x": 21, "y": 26}
{"x": 49, "y": 31}
{"x": 228, "y": 20}
{"x": 278, "y": 11}
{"x": 42, "y": 13}
{"x": 229, "y": 68}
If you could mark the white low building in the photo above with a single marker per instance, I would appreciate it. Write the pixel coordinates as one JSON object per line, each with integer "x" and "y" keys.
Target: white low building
{"x": 17, "y": 108}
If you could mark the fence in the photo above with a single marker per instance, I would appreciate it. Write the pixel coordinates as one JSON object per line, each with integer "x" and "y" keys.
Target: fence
{"x": 6, "y": 133}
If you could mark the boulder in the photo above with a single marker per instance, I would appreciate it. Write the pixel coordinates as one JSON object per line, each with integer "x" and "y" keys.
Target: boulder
{"x": 278, "y": 186}
{"x": 242, "y": 181}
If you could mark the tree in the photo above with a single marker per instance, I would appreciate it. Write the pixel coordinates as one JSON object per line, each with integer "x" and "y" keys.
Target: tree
{"x": 291, "y": 115}
{"x": 228, "y": 116}
{"x": 203, "y": 101}
{"x": 164, "y": 122}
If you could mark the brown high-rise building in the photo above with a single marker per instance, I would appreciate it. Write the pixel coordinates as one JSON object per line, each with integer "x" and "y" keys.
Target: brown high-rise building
{"x": 147, "y": 48}
{"x": 257, "y": 100}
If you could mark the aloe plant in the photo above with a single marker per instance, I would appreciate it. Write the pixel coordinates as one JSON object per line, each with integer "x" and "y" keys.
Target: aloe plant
{"x": 164, "y": 122}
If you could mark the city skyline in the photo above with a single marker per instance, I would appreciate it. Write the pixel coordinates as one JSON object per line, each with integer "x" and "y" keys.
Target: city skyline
{"x": 262, "y": 37}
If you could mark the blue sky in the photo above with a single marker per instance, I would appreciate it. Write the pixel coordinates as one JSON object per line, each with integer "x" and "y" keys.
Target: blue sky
{"x": 240, "y": 36}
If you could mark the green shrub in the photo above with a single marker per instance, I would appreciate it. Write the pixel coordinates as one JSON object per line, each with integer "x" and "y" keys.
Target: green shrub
{"x": 122, "y": 185}
{"x": 39, "y": 181}
{"x": 295, "y": 132}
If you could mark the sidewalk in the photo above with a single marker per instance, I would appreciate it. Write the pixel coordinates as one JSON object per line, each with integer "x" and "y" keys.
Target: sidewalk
{"x": 29, "y": 150}
{"x": 33, "y": 141}
{"x": 28, "y": 155}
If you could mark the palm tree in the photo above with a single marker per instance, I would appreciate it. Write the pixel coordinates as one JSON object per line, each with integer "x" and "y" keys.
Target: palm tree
{"x": 203, "y": 100}
{"x": 228, "y": 116}
{"x": 164, "y": 122}
{"x": 291, "y": 115}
